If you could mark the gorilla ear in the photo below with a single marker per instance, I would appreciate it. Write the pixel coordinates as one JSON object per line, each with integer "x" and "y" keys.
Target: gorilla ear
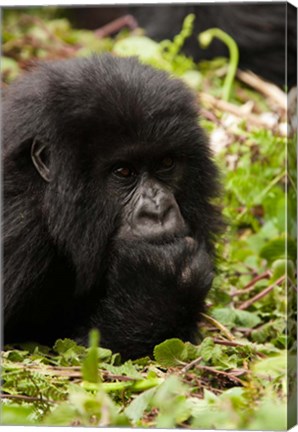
{"x": 40, "y": 159}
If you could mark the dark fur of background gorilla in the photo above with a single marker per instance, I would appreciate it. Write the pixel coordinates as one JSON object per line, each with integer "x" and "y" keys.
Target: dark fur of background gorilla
{"x": 110, "y": 223}
{"x": 266, "y": 33}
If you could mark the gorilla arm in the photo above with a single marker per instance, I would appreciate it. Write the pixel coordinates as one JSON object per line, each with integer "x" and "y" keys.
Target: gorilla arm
{"x": 154, "y": 292}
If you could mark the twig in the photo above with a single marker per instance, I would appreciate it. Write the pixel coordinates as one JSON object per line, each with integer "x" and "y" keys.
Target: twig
{"x": 209, "y": 116}
{"x": 116, "y": 25}
{"x": 190, "y": 365}
{"x": 106, "y": 375}
{"x": 251, "y": 285}
{"x": 261, "y": 294}
{"x": 236, "y": 344}
{"x": 268, "y": 89}
{"x": 233, "y": 109}
{"x": 226, "y": 343}
{"x": 217, "y": 372}
{"x": 68, "y": 372}
{"x": 25, "y": 398}
{"x": 218, "y": 325}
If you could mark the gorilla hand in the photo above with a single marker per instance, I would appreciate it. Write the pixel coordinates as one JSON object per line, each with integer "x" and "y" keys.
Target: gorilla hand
{"x": 138, "y": 311}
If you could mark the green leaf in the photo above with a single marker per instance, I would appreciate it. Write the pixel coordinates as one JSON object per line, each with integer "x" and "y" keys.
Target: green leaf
{"x": 15, "y": 414}
{"x": 193, "y": 78}
{"x": 272, "y": 366}
{"x": 172, "y": 404}
{"x": 128, "y": 368}
{"x": 271, "y": 415}
{"x": 170, "y": 353}
{"x": 104, "y": 353}
{"x": 146, "y": 49}
{"x": 174, "y": 352}
{"x": 282, "y": 267}
{"x": 276, "y": 249}
{"x": 15, "y": 355}
{"x": 206, "y": 349}
{"x": 225, "y": 316}
{"x": 9, "y": 68}
{"x": 246, "y": 319}
{"x": 137, "y": 407}
{"x": 63, "y": 345}
{"x": 90, "y": 363}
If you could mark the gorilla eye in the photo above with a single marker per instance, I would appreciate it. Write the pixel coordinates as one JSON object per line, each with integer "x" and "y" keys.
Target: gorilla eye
{"x": 167, "y": 162}
{"x": 124, "y": 172}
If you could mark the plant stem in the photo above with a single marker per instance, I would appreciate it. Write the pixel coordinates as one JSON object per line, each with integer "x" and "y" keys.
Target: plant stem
{"x": 206, "y": 38}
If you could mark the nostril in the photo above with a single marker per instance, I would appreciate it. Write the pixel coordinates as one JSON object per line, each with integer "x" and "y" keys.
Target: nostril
{"x": 168, "y": 213}
{"x": 159, "y": 215}
{"x": 152, "y": 215}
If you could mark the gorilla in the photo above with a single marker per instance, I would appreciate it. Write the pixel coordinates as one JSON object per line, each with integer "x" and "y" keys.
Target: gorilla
{"x": 109, "y": 214}
{"x": 266, "y": 33}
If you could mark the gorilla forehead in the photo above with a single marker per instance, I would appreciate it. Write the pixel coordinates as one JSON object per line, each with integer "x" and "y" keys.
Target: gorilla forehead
{"x": 112, "y": 95}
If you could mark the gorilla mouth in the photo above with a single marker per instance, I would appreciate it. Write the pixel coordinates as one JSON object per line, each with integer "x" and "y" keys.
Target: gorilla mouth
{"x": 168, "y": 239}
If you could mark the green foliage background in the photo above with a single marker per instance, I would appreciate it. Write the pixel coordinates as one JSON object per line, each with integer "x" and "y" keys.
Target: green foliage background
{"x": 237, "y": 377}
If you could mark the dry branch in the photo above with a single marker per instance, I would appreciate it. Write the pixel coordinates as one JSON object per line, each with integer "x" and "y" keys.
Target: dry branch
{"x": 270, "y": 90}
{"x": 261, "y": 294}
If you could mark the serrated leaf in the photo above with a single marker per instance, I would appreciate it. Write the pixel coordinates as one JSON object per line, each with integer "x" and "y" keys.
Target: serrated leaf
{"x": 63, "y": 345}
{"x": 246, "y": 319}
{"x": 104, "y": 353}
{"x": 206, "y": 349}
{"x": 225, "y": 316}
{"x": 128, "y": 369}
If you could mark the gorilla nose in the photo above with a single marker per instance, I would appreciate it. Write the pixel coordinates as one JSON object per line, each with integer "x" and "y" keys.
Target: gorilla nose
{"x": 157, "y": 218}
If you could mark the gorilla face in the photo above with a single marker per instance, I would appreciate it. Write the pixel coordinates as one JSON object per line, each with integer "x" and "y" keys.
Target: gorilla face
{"x": 113, "y": 177}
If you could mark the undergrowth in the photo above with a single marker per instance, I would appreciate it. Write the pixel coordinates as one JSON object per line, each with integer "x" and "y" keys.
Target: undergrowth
{"x": 236, "y": 378}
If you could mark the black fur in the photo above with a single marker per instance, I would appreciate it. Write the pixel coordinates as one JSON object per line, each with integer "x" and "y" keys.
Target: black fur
{"x": 266, "y": 33}
{"x": 66, "y": 269}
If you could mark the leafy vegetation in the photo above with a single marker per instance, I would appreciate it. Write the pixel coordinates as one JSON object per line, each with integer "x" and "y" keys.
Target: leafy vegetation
{"x": 236, "y": 378}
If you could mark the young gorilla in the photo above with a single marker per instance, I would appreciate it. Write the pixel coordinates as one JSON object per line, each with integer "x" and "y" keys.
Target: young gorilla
{"x": 107, "y": 215}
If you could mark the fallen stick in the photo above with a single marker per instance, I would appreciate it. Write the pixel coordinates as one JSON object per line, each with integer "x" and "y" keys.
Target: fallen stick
{"x": 261, "y": 294}
{"x": 116, "y": 25}
{"x": 232, "y": 109}
{"x": 270, "y": 90}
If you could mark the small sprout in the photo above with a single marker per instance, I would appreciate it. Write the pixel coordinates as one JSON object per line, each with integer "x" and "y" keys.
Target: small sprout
{"x": 205, "y": 40}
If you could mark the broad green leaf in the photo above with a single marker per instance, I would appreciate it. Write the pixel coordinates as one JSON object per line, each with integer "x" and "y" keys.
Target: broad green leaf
{"x": 174, "y": 352}
{"x": 246, "y": 319}
{"x": 272, "y": 366}
{"x": 270, "y": 415}
{"x": 146, "y": 49}
{"x": 14, "y": 414}
{"x": 137, "y": 407}
{"x": 282, "y": 267}
{"x": 225, "y": 316}
{"x": 276, "y": 249}
{"x": 169, "y": 353}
